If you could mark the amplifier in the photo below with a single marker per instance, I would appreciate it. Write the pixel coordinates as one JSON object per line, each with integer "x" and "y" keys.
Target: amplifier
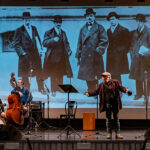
{"x": 36, "y": 105}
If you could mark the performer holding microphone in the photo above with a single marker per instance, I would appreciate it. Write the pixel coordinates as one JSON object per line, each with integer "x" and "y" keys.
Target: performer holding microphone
{"x": 110, "y": 101}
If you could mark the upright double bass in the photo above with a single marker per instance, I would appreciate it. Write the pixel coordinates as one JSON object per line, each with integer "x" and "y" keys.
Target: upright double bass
{"x": 14, "y": 111}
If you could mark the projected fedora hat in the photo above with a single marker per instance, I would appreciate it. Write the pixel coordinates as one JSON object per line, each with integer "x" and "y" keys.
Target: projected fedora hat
{"x": 58, "y": 19}
{"x": 26, "y": 15}
{"x": 112, "y": 14}
{"x": 105, "y": 74}
{"x": 89, "y": 11}
{"x": 140, "y": 17}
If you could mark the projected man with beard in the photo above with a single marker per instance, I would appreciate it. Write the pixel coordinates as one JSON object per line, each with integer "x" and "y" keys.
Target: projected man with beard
{"x": 56, "y": 63}
{"x": 118, "y": 37}
{"x": 25, "y": 43}
{"x": 92, "y": 43}
{"x": 140, "y": 56}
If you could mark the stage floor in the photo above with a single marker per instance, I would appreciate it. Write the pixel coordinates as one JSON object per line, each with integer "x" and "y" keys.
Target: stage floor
{"x": 85, "y": 135}
{"x": 89, "y": 140}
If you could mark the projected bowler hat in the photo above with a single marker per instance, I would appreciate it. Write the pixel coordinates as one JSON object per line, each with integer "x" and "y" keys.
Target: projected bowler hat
{"x": 112, "y": 14}
{"x": 105, "y": 74}
{"x": 89, "y": 11}
{"x": 58, "y": 19}
{"x": 140, "y": 17}
{"x": 26, "y": 15}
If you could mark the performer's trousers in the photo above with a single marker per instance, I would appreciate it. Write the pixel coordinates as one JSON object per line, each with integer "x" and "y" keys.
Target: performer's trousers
{"x": 39, "y": 83}
{"x": 141, "y": 88}
{"x": 110, "y": 109}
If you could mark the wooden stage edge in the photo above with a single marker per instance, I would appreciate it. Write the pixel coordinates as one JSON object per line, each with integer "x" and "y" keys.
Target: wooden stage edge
{"x": 89, "y": 140}
{"x": 125, "y": 113}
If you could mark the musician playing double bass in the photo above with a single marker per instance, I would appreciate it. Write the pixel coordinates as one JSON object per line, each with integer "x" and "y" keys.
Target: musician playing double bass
{"x": 24, "y": 93}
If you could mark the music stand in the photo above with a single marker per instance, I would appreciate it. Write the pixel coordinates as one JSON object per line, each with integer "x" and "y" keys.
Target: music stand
{"x": 68, "y": 88}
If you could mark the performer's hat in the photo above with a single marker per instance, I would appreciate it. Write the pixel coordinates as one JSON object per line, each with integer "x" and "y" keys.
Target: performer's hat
{"x": 26, "y": 15}
{"x": 112, "y": 14}
{"x": 140, "y": 17}
{"x": 57, "y": 19}
{"x": 105, "y": 74}
{"x": 89, "y": 11}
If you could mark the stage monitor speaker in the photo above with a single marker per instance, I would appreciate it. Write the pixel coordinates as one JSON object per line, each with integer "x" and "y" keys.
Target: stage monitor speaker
{"x": 88, "y": 121}
{"x": 9, "y": 132}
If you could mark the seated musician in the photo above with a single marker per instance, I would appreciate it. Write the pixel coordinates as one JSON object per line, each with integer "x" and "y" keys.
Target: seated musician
{"x": 2, "y": 113}
{"x": 24, "y": 93}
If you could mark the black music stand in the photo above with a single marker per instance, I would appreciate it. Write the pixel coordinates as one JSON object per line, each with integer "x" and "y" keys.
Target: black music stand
{"x": 68, "y": 88}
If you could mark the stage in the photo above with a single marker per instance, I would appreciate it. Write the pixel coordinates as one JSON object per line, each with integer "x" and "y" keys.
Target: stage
{"x": 49, "y": 140}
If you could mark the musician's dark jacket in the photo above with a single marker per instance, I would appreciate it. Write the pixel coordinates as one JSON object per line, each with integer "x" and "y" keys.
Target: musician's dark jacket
{"x": 27, "y": 96}
{"x": 116, "y": 87}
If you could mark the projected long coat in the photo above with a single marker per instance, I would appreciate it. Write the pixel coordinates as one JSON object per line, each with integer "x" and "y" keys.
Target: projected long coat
{"x": 91, "y": 46}
{"x": 24, "y": 44}
{"x": 140, "y": 63}
{"x": 116, "y": 87}
{"x": 51, "y": 56}
{"x": 119, "y": 42}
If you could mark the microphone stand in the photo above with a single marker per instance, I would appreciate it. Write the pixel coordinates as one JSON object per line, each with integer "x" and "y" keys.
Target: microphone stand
{"x": 146, "y": 98}
{"x": 97, "y": 132}
{"x": 48, "y": 103}
{"x": 47, "y": 93}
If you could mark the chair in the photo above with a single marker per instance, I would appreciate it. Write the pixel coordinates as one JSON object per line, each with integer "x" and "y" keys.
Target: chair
{"x": 72, "y": 109}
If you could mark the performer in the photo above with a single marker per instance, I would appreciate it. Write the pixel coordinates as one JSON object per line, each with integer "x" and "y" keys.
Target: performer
{"x": 119, "y": 42}
{"x": 110, "y": 101}
{"x": 25, "y": 44}
{"x": 92, "y": 43}
{"x": 140, "y": 52}
{"x": 2, "y": 109}
{"x": 56, "y": 62}
{"x": 24, "y": 93}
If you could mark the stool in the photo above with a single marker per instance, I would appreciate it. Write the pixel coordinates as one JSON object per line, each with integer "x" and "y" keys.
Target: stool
{"x": 88, "y": 121}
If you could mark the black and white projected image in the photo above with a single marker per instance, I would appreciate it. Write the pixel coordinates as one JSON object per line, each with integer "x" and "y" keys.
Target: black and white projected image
{"x": 48, "y": 46}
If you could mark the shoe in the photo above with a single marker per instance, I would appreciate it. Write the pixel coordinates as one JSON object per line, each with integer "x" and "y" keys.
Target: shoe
{"x": 118, "y": 136}
{"x": 109, "y": 136}
{"x": 53, "y": 94}
{"x": 136, "y": 97}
